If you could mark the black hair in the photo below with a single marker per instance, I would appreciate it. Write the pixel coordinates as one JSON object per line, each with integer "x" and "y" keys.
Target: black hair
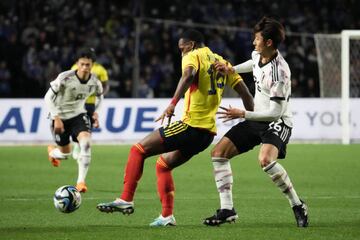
{"x": 86, "y": 53}
{"x": 193, "y": 35}
{"x": 271, "y": 29}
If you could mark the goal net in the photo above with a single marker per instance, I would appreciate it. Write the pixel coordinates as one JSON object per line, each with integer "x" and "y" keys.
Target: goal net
{"x": 328, "y": 47}
{"x": 339, "y": 71}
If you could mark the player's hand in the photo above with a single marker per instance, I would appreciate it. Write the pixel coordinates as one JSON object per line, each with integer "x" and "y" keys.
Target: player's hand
{"x": 58, "y": 126}
{"x": 169, "y": 112}
{"x": 223, "y": 68}
{"x": 230, "y": 113}
{"x": 95, "y": 117}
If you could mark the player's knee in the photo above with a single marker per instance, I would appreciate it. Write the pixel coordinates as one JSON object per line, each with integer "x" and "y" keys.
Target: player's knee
{"x": 264, "y": 160}
{"x": 218, "y": 152}
{"x": 137, "y": 149}
{"x": 85, "y": 149}
{"x": 224, "y": 149}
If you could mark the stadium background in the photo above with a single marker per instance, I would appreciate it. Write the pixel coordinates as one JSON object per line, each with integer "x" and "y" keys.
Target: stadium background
{"x": 38, "y": 39}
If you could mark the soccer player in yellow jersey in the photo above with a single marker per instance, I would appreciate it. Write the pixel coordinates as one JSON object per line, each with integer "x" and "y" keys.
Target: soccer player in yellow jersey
{"x": 100, "y": 72}
{"x": 203, "y": 87}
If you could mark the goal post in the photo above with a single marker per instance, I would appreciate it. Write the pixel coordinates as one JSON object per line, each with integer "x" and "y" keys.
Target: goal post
{"x": 346, "y": 36}
{"x": 338, "y": 58}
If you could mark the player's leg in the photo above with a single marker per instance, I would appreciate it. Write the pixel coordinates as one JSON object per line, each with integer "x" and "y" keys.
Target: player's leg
{"x": 267, "y": 157}
{"x": 165, "y": 185}
{"x": 84, "y": 159}
{"x": 79, "y": 128}
{"x": 188, "y": 142}
{"x": 274, "y": 147}
{"x": 58, "y": 153}
{"x": 75, "y": 150}
{"x": 149, "y": 146}
{"x": 155, "y": 143}
{"x": 62, "y": 150}
{"x": 221, "y": 154}
{"x": 223, "y": 151}
{"x": 238, "y": 139}
{"x": 90, "y": 108}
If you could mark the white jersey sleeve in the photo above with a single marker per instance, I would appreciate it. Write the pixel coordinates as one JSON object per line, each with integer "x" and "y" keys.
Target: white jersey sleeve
{"x": 273, "y": 90}
{"x": 51, "y": 96}
{"x": 244, "y": 67}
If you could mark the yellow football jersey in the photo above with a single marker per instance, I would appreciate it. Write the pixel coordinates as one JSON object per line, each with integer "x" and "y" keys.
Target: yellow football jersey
{"x": 100, "y": 72}
{"x": 203, "y": 97}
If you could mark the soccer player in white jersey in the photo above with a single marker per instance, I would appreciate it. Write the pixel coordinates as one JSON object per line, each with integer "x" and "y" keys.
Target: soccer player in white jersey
{"x": 269, "y": 124}
{"x": 65, "y": 100}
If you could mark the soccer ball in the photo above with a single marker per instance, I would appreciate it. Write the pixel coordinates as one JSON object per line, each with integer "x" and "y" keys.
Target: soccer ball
{"x": 67, "y": 199}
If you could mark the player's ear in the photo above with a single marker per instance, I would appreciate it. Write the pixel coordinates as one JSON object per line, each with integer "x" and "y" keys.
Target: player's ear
{"x": 193, "y": 45}
{"x": 269, "y": 43}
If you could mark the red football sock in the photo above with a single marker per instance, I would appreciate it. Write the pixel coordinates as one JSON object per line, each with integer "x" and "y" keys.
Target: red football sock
{"x": 166, "y": 189}
{"x": 133, "y": 172}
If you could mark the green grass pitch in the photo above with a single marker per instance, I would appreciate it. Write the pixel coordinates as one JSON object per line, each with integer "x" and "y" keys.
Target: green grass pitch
{"x": 326, "y": 176}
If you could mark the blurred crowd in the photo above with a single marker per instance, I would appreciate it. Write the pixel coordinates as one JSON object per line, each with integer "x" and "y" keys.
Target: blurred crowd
{"x": 38, "y": 39}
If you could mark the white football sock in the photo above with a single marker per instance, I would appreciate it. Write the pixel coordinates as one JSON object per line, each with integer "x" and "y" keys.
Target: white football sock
{"x": 76, "y": 151}
{"x": 84, "y": 159}
{"x": 56, "y": 153}
{"x": 224, "y": 181}
{"x": 281, "y": 179}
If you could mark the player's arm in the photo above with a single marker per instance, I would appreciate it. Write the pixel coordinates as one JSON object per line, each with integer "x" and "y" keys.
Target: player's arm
{"x": 106, "y": 87}
{"x": 245, "y": 95}
{"x": 98, "y": 102}
{"x": 240, "y": 68}
{"x": 52, "y": 103}
{"x": 185, "y": 81}
{"x": 273, "y": 113}
{"x": 244, "y": 67}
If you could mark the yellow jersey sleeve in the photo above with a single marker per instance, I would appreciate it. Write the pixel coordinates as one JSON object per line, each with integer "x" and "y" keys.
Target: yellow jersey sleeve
{"x": 190, "y": 59}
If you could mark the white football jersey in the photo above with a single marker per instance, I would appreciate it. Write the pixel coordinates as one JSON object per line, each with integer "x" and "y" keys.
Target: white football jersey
{"x": 272, "y": 82}
{"x": 70, "y": 94}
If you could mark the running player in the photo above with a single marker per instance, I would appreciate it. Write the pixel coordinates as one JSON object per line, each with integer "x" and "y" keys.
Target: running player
{"x": 65, "y": 100}
{"x": 100, "y": 72}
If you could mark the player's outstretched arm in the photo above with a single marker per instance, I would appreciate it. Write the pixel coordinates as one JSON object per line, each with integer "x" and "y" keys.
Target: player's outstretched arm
{"x": 184, "y": 83}
{"x": 230, "y": 113}
{"x": 275, "y": 111}
{"x": 244, "y": 67}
